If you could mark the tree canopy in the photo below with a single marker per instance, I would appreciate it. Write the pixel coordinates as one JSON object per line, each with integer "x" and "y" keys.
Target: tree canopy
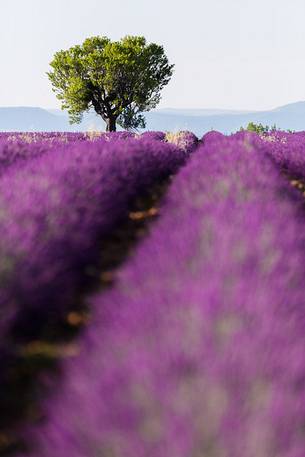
{"x": 118, "y": 79}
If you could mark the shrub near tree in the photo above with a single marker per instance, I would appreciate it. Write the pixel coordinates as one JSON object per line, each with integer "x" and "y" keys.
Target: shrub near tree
{"x": 118, "y": 79}
{"x": 259, "y": 128}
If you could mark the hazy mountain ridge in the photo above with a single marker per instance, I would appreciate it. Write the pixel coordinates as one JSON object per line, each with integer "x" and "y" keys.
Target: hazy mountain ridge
{"x": 199, "y": 121}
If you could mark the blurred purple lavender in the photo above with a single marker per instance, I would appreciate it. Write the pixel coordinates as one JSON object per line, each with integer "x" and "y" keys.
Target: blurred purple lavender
{"x": 153, "y": 135}
{"x": 288, "y": 151}
{"x": 198, "y": 349}
{"x": 211, "y": 137}
{"x": 55, "y": 207}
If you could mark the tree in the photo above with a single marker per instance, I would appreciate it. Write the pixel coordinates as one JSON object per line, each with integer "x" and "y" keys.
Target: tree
{"x": 118, "y": 79}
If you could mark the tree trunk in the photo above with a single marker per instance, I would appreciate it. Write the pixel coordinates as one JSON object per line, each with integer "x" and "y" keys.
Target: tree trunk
{"x": 111, "y": 124}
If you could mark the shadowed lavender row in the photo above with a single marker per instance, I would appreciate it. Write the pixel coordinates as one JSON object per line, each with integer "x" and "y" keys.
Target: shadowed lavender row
{"x": 198, "y": 349}
{"x": 54, "y": 209}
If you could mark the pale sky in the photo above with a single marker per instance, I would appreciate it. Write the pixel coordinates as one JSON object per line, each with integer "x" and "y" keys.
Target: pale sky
{"x": 243, "y": 54}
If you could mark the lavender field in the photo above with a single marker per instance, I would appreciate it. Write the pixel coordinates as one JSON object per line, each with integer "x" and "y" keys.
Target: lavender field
{"x": 152, "y": 295}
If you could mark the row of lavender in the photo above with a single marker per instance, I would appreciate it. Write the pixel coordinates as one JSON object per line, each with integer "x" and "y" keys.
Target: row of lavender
{"x": 198, "y": 348}
{"x": 56, "y": 201}
{"x": 19, "y": 147}
{"x": 287, "y": 150}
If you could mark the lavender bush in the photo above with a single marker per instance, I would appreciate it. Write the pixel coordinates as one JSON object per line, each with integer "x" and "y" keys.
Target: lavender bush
{"x": 153, "y": 135}
{"x": 183, "y": 139}
{"x": 287, "y": 150}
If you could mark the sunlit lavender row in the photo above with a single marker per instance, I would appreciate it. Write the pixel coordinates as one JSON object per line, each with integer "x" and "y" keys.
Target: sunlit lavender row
{"x": 197, "y": 350}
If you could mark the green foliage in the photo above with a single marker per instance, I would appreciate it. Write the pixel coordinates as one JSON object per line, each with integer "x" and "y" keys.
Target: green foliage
{"x": 119, "y": 79}
{"x": 259, "y": 128}
{"x": 263, "y": 129}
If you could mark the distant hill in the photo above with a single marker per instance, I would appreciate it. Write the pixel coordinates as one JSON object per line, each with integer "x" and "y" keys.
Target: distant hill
{"x": 199, "y": 121}
{"x": 25, "y": 119}
{"x": 290, "y": 116}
